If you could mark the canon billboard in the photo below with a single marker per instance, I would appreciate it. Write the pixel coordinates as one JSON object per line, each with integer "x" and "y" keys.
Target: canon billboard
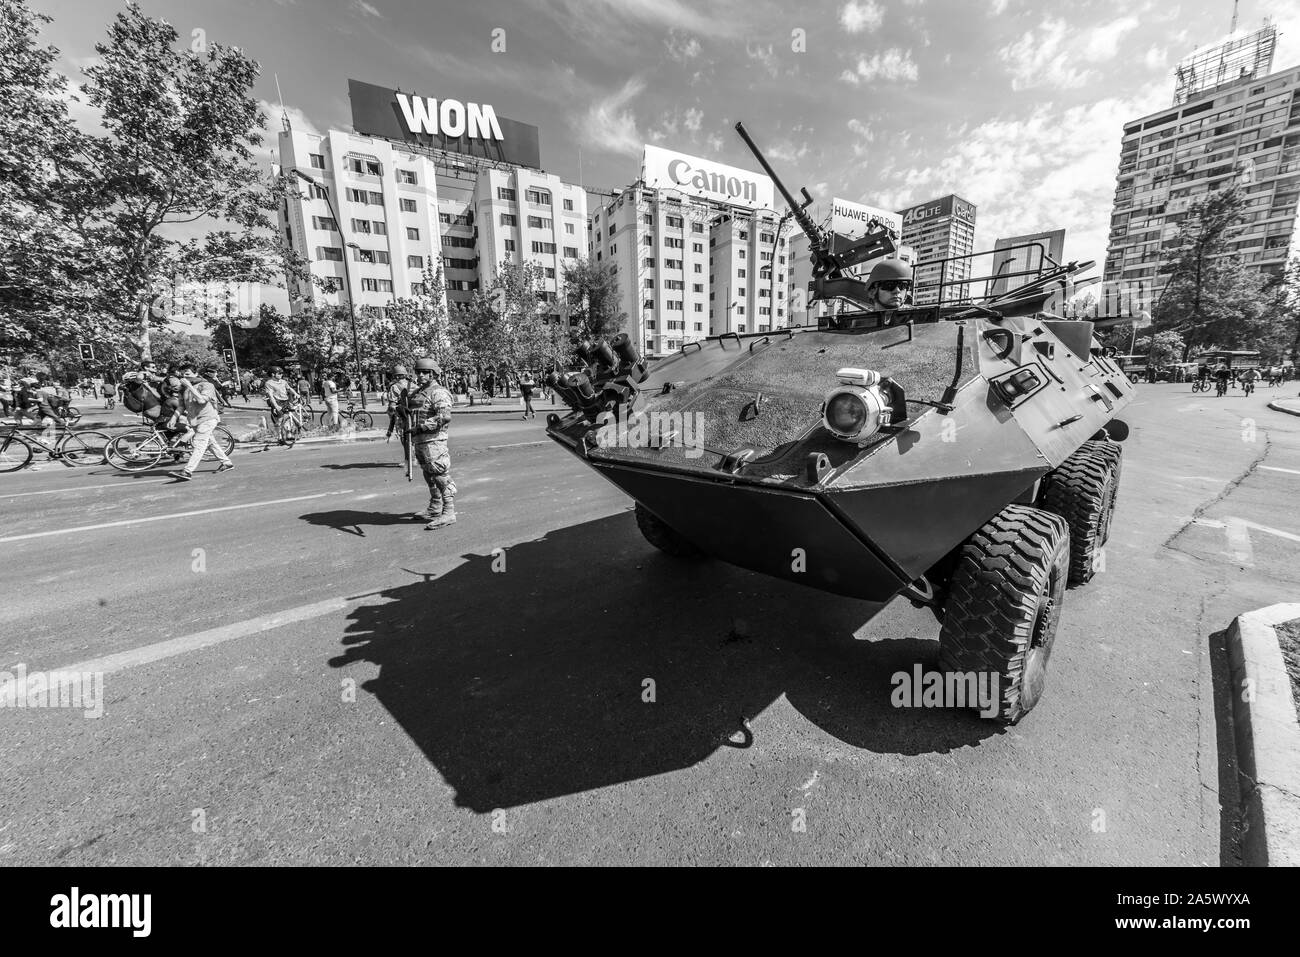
{"x": 457, "y": 126}
{"x": 705, "y": 179}
{"x": 947, "y": 206}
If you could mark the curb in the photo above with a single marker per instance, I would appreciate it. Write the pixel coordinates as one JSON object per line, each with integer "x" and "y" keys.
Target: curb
{"x": 1281, "y": 408}
{"x": 1267, "y": 737}
{"x": 370, "y": 435}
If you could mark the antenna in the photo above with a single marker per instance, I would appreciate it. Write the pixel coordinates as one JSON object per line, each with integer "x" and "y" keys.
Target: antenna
{"x": 284, "y": 115}
{"x": 1234, "y": 16}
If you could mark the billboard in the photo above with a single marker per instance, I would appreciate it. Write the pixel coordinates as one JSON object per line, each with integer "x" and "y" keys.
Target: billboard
{"x": 457, "y": 126}
{"x": 705, "y": 179}
{"x": 946, "y": 206}
{"x": 1007, "y": 260}
{"x": 855, "y": 220}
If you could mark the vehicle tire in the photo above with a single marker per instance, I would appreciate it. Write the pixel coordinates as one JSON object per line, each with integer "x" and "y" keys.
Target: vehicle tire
{"x": 1082, "y": 491}
{"x": 14, "y": 454}
{"x": 221, "y": 438}
{"x": 1003, "y": 604}
{"x": 363, "y": 420}
{"x": 662, "y": 537}
{"x": 1114, "y": 453}
{"x": 86, "y": 448}
{"x": 136, "y": 450}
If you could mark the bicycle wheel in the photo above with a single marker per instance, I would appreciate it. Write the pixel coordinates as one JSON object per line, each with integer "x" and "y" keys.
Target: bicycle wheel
{"x": 221, "y": 438}
{"x": 72, "y": 415}
{"x": 288, "y": 431}
{"x": 15, "y": 454}
{"x": 85, "y": 448}
{"x": 363, "y": 420}
{"x": 137, "y": 450}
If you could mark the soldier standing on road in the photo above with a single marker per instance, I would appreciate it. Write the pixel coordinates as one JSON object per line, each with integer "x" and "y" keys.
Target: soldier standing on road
{"x": 400, "y": 385}
{"x": 429, "y": 408}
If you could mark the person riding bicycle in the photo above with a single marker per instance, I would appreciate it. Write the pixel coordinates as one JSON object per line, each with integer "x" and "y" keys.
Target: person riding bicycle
{"x": 1249, "y": 378}
{"x": 1221, "y": 376}
{"x": 277, "y": 391}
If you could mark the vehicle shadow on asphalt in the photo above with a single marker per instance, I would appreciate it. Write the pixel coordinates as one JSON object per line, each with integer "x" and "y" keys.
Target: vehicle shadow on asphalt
{"x": 341, "y": 466}
{"x": 523, "y": 675}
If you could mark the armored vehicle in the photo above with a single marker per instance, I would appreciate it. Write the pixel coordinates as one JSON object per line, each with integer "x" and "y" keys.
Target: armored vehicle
{"x": 963, "y": 455}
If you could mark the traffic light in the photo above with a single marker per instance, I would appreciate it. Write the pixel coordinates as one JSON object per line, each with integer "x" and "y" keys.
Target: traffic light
{"x": 87, "y": 352}
{"x": 229, "y": 356}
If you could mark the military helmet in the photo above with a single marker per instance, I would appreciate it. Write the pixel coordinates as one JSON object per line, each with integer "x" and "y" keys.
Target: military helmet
{"x": 888, "y": 270}
{"x": 399, "y": 370}
{"x": 428, "y": 365}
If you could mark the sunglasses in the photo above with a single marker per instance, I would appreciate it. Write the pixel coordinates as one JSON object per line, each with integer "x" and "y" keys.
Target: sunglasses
{"x": 895, "y": 285}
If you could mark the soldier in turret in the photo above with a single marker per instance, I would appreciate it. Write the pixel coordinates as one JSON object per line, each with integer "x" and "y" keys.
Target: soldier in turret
{"x": 890, "y": 285}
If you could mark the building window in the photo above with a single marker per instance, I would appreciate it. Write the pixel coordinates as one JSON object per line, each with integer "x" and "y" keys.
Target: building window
{"x": 649, "y": 283}
{"x": 766, "y": 238}
{"x": 459, "y": 263}
{"x": 543, "y": 247}
{"x": 461, "y": 219}
{"x": 380, "y": 228}
{"x": 509, "y": 219}
{"x": 510, "y": 245}
{"x": 674, "y": 221}
{"x": 329, "y": 253}
{"x": 740, "y": 310}
{"x": 740, "y": 274}
{"x": 673, "y": 264}
{"x": 647, "y": 219}
{"x": 506, "y": 194}
{"x": 414, "y": 262}
{"x": 357, "y": 195}
{"x": 458, "y": 242}
{"x": 568, "y": 228}
{"x": 697, "y": 247}
{"x": 539, "y": 222}
{"x": 325, "y": 222}
{"x": 570, "y": 252}
{"x": 648, "y": 304}
{"x": 699, "y": 268}
{"x": 568, "y": 204}
{"x": 672, "y": 243}
{"x": 550, "y": 272}
{"x": 613, "y": 249}
{"x": 743, "y": 234}
{"x": 318, "y": 192}
{"x": 361, "y": 225}
{"x": 412, "y": 232}
{"x": 406, "y": 176}
{"x": 699, "y": 307}
{"x": 408, "y": 206}
{"x": 697, "y": 287}
{"x": 741, "y": 253}
{"x": 697, "y": 227}
{"x": 317, "y": 160}
{"x": 539, "y": 196}
{"x": 418, "y": 289}
{"x": 647, "y": 240}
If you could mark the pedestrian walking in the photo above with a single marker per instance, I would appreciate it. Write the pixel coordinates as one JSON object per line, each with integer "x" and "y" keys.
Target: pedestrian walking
{"x": 109, "y": 391}
{"x": 429, "y": 409}
{"x": 330, "y": 390}
{"x": 199, "y": 402}
{"x": 526, "y": 385}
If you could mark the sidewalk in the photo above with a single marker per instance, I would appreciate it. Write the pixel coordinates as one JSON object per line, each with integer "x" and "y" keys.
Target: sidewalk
{"x": 379, "y": 410}
{"x": 1289, "y": 406}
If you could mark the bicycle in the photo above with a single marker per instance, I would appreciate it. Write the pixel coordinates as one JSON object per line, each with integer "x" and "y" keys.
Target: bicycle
{"x": 1247, "y": 387}
{"x": 293, "y": 422}
{"x": 71, "y": 448}
{"x": 1200, "y": 385}
{"x": 1221, "y": 388}
{"x": 138, "y": 450}
{"x": 359, "y": 417}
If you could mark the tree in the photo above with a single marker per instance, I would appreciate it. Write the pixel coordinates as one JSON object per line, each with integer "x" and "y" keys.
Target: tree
{"x": 591, "y": 293}
{"x": 410, "y": 328}
{"x": 175, "y": 348}
{"x": 1161, "y": 348}
{"x": 91, "y": 221}
{"x": 270, "y": 342}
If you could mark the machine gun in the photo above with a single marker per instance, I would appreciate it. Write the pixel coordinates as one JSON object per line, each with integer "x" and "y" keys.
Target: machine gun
{"x": 404, "y": 416}
{"x": 832, "y": 254}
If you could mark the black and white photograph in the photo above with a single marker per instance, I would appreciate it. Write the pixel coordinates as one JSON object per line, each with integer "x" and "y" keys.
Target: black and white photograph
{"x": 651, "y": 434}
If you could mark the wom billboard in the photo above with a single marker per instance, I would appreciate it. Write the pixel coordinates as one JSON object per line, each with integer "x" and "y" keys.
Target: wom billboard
{"x": 705, "y": 179}
{"x": 457, "y": 126}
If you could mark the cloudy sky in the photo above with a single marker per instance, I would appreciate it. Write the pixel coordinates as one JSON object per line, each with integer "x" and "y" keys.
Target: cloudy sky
{"x": 1016, "y": 105}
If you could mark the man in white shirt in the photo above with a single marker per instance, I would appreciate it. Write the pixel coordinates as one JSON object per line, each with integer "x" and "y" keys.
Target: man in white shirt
{"x": 199, "y": 403}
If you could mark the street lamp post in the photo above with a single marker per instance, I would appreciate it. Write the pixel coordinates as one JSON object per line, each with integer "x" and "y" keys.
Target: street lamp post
{"x": 347, "y": 279}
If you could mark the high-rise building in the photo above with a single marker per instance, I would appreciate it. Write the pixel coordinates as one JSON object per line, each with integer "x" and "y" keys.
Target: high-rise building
{"x": 414, "y": 196}
{"x": 1023, "y": 254}
{"x": 693, "y": 245}
{"x": 1232, "y": 122}
{"x": 938, "y": 230}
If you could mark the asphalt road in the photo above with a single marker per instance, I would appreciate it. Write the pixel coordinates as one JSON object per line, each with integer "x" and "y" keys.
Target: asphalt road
{"x": 296, "y": 672}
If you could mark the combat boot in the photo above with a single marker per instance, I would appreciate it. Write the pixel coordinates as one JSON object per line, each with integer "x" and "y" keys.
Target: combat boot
{"x": 448, "y": 517}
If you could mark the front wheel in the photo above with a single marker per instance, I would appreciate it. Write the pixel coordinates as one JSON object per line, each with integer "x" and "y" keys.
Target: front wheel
{"x": 14, "y": 453}
{"x": 288, "y": 431}
{"x": 136, "y": 450}
{"x": 221, "y": 438}
{"x": 1003, "y": 606}
{"x": 363, "y": 420}
{"x": 85, "y": 448}
{"x": 72, "y": 415}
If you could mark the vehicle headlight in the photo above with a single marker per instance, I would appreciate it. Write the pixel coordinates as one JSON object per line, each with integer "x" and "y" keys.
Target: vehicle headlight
{"x": 854, "y": 412}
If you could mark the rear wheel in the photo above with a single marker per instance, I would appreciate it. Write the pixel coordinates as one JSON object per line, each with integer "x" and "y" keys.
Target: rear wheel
{"x": 72, "y": 415}
{"x": 137, "y": 450}
{"x": 14, "y": 453}
{"x": 221, "y": 438}
{"x": 662, "y": 537}
{"x": 85, "y": 448}
{"x": 1082, "y": 491}
{"x": 1003, "y": 605}
{"x": 363, "y": 420}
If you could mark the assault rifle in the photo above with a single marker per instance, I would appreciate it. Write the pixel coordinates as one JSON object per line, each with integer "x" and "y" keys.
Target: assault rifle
{"x": 832, "y": 254}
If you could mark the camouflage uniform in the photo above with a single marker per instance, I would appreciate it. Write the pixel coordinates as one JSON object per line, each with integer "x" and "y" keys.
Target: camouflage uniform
{"x": 430, "y": 409}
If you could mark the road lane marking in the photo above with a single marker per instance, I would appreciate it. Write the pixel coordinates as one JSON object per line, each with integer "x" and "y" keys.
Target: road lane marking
{"x": 163, "y": 518}
{"x": 1274, "y": 468}
{"x": 1238, "y": 532}
{"x": 160, "y": 650}
{"x": 85, "y": 488}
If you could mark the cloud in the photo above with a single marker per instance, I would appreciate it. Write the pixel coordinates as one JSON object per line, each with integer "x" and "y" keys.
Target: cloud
{"x": 609, "y": 126}
{"x": 999, "y": 7}
{"x": 693, "y": 119}
{"x": 893, "y": 65}
{"x": 597, "y": 17}
{"x": 682, "y": 48}
{"x": 765, "y": 56}
{"x": 1155, "y": 58}
{"x": 366, "y": 9}
{"x": 1102, "y": 41}
{"x": 1056, "y": 55}
{"x": 859, "y": 15}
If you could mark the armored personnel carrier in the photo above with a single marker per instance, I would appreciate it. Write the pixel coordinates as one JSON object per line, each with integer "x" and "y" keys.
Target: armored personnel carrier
{"x": 962, "y": 455}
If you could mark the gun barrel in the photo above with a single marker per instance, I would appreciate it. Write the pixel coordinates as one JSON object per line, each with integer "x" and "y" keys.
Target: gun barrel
{"x": 803, "y": 219}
